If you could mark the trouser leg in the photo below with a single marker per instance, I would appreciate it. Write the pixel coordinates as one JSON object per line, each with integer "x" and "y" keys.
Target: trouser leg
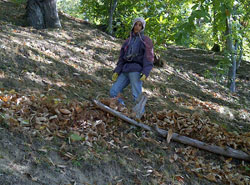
{"x": 136, "y": 83}
{"x": 118, "y": 86}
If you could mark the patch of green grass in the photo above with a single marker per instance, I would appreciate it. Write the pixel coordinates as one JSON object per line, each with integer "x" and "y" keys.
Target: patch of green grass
{"x": 76, "y": 163}
{"x": 161, "y": 152}
{"x": 100, "y": 148}
{"x": 228, "y": 127}
{"x": 5, "y": 172}
{"x": 247, "y": 169}
{"x": 3, "y": 123}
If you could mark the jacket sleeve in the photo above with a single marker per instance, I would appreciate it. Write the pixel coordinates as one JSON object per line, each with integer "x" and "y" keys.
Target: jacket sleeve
{"x": 121, "y": 61}
{"x": 148, "y": 58}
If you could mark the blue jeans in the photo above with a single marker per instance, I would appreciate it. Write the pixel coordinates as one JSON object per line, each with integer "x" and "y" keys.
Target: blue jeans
{"x": 123, "y": 80}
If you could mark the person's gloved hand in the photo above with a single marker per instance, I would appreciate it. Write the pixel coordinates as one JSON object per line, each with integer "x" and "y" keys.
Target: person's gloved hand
{"x": 114, "y": 77}
{"x": 143, "y": 77}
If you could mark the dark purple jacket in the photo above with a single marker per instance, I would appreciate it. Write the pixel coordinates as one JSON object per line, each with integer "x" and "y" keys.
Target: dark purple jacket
{"x": 142, "y": 62}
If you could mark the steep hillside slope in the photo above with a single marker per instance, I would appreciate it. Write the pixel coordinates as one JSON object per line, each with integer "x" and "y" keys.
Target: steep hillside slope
{"x": 50, "y": 133}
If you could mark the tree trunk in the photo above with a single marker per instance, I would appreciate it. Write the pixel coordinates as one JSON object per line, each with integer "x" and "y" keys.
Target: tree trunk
{"x": 231, "y": 50}
{"x": 113, "y": 5}
{"x": 240, "y": 55}
{"x": 215, "y": 27}
{"x": 216, "y": 46}
{"x": 42, "y": 14}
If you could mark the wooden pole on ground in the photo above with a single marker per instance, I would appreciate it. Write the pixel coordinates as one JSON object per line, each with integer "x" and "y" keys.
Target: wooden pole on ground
{"x": 227, "y": 151}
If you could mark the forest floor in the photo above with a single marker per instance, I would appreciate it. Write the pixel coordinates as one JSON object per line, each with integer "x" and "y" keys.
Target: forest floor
{"x": 51, "y": 133}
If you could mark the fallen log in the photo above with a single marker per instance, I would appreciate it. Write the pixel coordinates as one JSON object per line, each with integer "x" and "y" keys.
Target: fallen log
{"x": 227, "y": 151}
{"x": 120, "y": 115}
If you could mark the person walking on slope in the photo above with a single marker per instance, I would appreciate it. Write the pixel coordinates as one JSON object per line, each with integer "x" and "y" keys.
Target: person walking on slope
{"x": 135, "y": 62}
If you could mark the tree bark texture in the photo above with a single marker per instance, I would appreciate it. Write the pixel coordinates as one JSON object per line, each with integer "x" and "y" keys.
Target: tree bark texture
{"x": 42, "y": 14}
{"x": 240, "y": 55}
{"x": 227, "y": 151}
{"x": 113, "y": 5}
{"x": 231, "y": 49}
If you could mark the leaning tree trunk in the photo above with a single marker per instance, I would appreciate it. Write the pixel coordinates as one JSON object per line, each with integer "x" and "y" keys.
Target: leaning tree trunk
{"x": 113, "y": 5}
{"x": 42, "y": 14}
{"x": 231, "y": 49}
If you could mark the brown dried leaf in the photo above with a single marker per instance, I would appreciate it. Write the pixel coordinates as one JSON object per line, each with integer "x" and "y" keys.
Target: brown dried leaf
{"x": 229, "y": 160}
{"x": 161, "y": 115}
{"x": 170, "y": 134}
{"x": 179, "y": 178}
{"x": 65, "y": 111}
{"x": 211, "y": 177}
{"x": 156, "y": 173}
{"x": 78, "y": 109}
{"x": 116, "y": 139}
{"x": 171, "y": 160}
{"x": 40, "y": 120}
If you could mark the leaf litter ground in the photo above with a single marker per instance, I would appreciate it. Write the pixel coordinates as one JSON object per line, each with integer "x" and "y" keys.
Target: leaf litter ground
{"x": 51, "y": 133}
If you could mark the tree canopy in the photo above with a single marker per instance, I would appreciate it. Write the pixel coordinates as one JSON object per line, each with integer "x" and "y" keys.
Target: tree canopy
{"x": 190, "y": 23}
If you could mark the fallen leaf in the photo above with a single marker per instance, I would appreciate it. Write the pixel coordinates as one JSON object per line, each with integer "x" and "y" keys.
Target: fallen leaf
{"x": 75, "y": 137}
{"x": 175, "y": 157}
{"x": 156, "y": 173}
{"x": 40, "y": 120}
{"x": 52, "y": 117}
{"x": 171, "y": 160}
{"x": 211, "y": 177}
{"x": 170, "y": 134}
{"x": 65, "y": 111}
{"x": 228, "y": 160}
{"x": 23, "y": 121}
{"x": 179, "y": 178}
{"x": 43, "y": 150}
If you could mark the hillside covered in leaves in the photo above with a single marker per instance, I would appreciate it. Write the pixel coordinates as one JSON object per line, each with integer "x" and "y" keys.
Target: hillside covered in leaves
{"x": 52, "y": 133}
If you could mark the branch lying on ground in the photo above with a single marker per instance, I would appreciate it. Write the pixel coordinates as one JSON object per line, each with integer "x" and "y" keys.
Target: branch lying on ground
{"x": 229, "y": 152}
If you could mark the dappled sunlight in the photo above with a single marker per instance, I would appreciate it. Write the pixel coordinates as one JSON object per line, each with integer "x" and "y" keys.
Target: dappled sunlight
{"x": 44, "y": 81}
{"x": 12, "y": 167}
{"x": 88, "y": 51}
{"x": 192, "y": 92}
{"x": 79, "y": 48}
{"x": 225, "y": 112}
{"x": 2, "y": 74}
{"x": 53, "y": 133}
{"x": 195, "y": 80}
{"x": 244, "y": 115}
{"x": 17, "y": 168}
{"x": 148, "y": 92}
{"x": 36, "y": 78}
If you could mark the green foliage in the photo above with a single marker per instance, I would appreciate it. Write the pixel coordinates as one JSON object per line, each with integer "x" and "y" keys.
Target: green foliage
{"x": 161, "y": 16}
{"x": 19, "y": 1}
{"x": 76, "y": 137}
{"x": 189, "y": 23}
{"x": 184, "y": 22}
{"x": 3, "y": 121}
{"x": 71, "y": 7}
{"x": 247, "y": 168}
{"x": 221, "y": 70}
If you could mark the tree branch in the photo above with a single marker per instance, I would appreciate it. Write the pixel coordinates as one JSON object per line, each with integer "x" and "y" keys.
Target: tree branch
{"x": 227, "y": 151}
